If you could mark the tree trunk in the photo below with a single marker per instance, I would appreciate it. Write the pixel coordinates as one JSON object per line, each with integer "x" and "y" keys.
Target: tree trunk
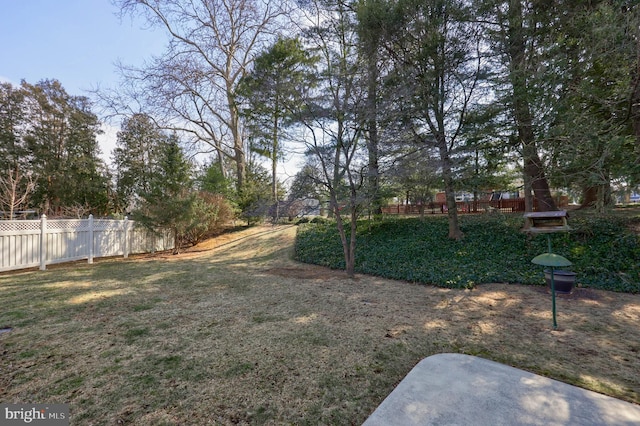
{"x": 176, "y": 242}
{"x": 333, "y": 203}
{"x": 596, "y": 196}
{"x": 351, "y": 258}
{"x": 635, "y": 99}
{"x": 274, "y": 167}
{"x": 539, "y": 185}
{"x": 348, "y": 245}
{"x": 241, "y": 169}
{"x": 452, "y": 213}
{"x": 372, "y": 139}
{"x": 450, "y": 195}
{"x": 589, "y": 197}
{"x": 528, "y": 193}
{"x": 236, "y": 133}
{"x": 221, "y": 157}
{"x": 518, "y": 70}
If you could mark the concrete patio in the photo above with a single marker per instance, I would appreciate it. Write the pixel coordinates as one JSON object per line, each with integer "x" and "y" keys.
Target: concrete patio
{"x": 455, "y": 389}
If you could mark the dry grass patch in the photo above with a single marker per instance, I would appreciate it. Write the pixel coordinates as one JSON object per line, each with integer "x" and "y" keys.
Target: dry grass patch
{"x": 237, "y": 333}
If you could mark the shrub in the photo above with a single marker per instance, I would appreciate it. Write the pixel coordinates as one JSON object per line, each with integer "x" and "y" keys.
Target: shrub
{"x": 209, "y": 213}
{"x": 320, "y": 220}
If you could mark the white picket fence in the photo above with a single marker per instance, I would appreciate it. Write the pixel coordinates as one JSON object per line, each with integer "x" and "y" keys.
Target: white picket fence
{"x": 31, "y": 243}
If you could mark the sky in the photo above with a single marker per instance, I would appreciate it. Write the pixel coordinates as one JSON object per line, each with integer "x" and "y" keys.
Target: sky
{"x": 75, "y": 42}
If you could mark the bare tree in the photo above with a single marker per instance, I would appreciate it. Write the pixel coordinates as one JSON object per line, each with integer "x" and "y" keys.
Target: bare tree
{"x": 15, "y": 189}
{"x": 334, "y": 137}
{"x": 191, "y": 87}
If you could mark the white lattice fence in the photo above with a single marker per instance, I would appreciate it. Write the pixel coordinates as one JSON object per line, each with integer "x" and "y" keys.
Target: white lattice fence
{"x": 30, "y": 243}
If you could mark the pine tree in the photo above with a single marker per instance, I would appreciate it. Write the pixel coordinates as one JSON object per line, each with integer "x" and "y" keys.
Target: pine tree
{"x": 169, "y": 201}
{"x": 272, "y": 96}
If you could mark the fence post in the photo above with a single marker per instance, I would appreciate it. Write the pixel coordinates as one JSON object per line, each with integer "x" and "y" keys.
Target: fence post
{"x": 43, "y": 242}
{"x": 126, "y": 236}
{"x": 90, "y": 239}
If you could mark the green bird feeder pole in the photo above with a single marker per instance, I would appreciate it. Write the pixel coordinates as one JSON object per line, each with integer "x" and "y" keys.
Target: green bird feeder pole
{"x": 552, "y": 261}
{"x": 548, "y": 223}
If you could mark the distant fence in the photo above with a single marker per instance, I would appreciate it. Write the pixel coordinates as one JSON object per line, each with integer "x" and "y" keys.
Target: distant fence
{"x": 504, "y": 206}
{"x": 31, "y": 243}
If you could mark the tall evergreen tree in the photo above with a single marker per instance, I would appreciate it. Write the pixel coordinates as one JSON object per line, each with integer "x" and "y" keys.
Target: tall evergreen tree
{"x": 15, "y": 174}
{"x": 90, "y": 177}
{"x": 272, "y": 95}
{"x": 61, "y": 142}
{"x": 169, "y": 201}
{"x": 12, "y": 126}
{"x": 372, "y": 18}
{"x": 437, "y": 66}
{"x": 136, "y": 159}
{"x": 212, "y": 180}
{"x": 593, "y": 141}
{"x": 518, "y": 35}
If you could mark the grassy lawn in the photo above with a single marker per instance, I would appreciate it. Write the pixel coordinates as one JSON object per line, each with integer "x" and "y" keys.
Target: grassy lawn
{"x": 235, "y": 332}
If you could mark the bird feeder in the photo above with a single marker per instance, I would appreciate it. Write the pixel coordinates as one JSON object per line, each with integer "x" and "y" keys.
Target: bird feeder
{"x": 548, "y": 223}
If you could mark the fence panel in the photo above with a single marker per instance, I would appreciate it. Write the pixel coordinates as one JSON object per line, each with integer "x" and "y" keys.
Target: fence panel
{"x": 30, "y": 243}
{"x": 505, "y": 206}
{"x": 108, "y": 238}
{"x": 66, "y": 240}
{"x": 19, "y": 244}
{"x": 508, "y": 205}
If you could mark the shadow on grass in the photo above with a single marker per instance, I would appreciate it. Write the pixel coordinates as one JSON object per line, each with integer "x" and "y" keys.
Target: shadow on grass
{"x": 222, "y": 336}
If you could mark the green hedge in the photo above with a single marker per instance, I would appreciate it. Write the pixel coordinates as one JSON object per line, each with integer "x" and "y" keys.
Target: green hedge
{"x": 604, "y": 252}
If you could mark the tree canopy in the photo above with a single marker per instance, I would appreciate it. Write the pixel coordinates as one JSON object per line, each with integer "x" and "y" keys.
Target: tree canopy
{"x": 49, "y": 151}
{"x": 398, "y": 98}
